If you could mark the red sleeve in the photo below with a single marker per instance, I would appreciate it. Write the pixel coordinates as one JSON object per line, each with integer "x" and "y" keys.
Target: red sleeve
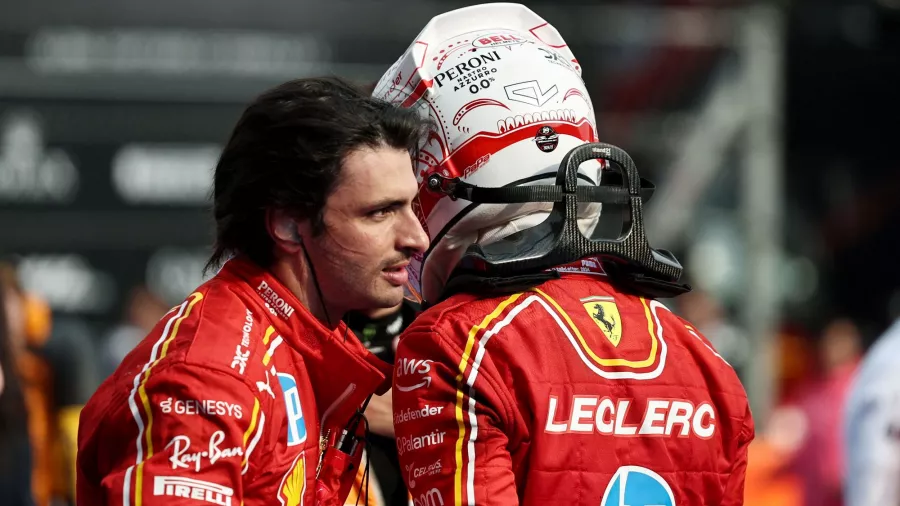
{"x": 197, "y": 428}
{"x": 449, "y": 422}
{"x": 734, "y": 492}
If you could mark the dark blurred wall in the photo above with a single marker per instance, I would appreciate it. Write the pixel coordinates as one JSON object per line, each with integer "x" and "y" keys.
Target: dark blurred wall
{"x": 843, "y": 174}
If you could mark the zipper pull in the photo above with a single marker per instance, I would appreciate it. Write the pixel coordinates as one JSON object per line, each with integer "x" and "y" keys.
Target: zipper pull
{"x": 323, "y": 445}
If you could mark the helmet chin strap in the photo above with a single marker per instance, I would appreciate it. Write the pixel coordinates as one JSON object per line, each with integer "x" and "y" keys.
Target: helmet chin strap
{"x": 558, "y": 240}
{"x": 496, "y": 233}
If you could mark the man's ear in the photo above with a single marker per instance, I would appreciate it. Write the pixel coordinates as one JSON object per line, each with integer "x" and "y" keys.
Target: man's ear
{"x": 283, "y": 229}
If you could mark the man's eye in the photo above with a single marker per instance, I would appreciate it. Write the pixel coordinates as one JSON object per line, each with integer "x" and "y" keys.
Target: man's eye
{"x": 380, "y": 213}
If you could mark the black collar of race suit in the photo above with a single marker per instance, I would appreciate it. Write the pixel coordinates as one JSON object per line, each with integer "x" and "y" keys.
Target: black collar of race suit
{"x": 630, "y": 261}
{"x": 465, "y": 282}
{"x": 626, "y": 280}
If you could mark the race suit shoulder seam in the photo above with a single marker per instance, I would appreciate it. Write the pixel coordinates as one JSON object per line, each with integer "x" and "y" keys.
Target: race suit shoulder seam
{"x": 161, "y": 373}
{"x": 485, "y": 373}
{"x": 253, "y": 361}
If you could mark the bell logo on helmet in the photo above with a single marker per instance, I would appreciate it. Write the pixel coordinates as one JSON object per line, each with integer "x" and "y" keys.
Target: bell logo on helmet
{"x": 506, "y": 39}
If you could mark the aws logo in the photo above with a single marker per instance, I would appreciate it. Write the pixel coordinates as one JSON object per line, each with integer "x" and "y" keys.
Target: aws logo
{"x": 637, "y": 486}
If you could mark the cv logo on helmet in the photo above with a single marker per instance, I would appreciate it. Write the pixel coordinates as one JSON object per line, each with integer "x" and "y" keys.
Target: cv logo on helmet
{"x": 637, "y": 486}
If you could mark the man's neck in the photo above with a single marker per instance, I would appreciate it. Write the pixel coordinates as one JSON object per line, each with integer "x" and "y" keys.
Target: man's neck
{"x": 377, "y": 314}
{"x": 297, "y": 278}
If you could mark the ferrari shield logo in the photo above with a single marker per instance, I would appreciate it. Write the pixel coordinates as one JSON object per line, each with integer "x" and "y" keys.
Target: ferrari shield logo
{"x": 605, "y": 314}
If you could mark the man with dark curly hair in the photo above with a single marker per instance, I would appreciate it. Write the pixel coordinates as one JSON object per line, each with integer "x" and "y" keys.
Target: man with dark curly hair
{"x": 252, "y": 390}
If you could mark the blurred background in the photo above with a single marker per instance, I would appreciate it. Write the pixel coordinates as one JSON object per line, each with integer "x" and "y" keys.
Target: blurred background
{"x": 768, "y": 126}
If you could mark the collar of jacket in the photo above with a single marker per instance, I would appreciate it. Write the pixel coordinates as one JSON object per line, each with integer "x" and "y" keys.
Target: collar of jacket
{"x": 341, "y": 371}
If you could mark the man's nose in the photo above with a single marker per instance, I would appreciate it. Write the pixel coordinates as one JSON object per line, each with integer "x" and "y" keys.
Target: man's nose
{"x": 411, "y": 235}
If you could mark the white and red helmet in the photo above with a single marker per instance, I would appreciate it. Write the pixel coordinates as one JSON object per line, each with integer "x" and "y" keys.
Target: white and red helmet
{"x": 507, "y": 101}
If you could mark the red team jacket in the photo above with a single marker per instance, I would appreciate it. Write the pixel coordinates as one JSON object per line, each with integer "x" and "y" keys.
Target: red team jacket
{"x": 568, "y": 393}
{"x": 224, "y": 403}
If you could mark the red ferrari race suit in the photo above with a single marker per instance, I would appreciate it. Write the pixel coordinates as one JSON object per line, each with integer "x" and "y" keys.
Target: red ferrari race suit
{"x": 225, "y": 403}
{"x": 571, "y": 393}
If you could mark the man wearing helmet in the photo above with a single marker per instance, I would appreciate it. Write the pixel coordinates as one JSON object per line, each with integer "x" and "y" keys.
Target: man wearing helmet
{"x": 543, "y": 370}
